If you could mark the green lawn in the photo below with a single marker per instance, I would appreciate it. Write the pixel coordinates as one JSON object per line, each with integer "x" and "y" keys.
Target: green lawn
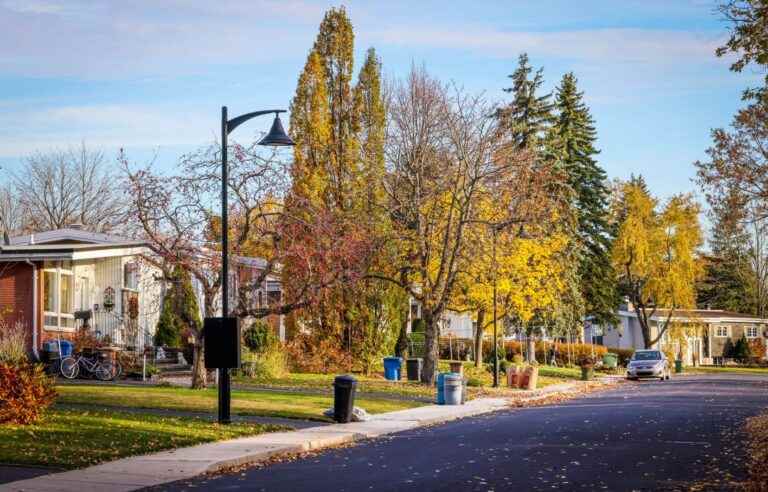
{"x": 365, "y": 384}
{"x": 264, "y": 403}
{"x": 79, "y": 438}
{"x": 727, "y": 370}
{"x": 376, "y": 385}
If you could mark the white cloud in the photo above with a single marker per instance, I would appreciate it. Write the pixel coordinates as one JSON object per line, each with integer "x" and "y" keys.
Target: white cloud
{"x": 603, "y": 45}
{"x": 110, "y": 126}
{"x": 107, "y": 40}
{"x": 34, "y": 6}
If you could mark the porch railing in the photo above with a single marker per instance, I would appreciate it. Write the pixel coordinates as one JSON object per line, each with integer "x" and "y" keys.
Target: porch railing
{"x": 111, "y": 328}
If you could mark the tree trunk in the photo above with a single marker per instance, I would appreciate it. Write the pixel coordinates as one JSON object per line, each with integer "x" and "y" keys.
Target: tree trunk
{"x": 199, "y": 380}
{"x": 401, "y": 347}
{"x": 531, "y": 349}
{"x": 431, "y": 348}
{"x": 479, "y": 337}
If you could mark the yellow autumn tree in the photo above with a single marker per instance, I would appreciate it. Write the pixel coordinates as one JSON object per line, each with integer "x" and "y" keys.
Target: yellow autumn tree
{"x": 655, "y": 255}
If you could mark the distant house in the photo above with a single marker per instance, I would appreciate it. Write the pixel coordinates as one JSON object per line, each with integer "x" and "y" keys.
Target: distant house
{"x": 451, "y": 323}
{"x": 268, "y": 294}
{"x": 707, "y": 344}
{"x": 54, "y": 282}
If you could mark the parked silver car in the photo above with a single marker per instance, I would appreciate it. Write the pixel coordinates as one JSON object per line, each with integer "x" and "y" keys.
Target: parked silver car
{"x": 648, "y": 364}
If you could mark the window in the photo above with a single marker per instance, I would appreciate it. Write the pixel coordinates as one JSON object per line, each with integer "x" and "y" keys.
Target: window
{"x": 722, "y": 331}
{"x": 751, "y": 331}
{"x": 58, "y": 297}
{"x": 131, "y": 276}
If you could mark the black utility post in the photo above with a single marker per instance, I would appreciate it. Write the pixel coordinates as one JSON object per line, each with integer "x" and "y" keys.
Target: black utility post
{"x": 276, "y": 137}
{"x": 494, "y": 228}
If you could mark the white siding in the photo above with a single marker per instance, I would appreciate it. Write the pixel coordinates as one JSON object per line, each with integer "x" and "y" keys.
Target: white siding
{"x": 108, "y": 273}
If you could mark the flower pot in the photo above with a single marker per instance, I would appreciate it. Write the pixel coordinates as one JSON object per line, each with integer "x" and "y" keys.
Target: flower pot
{"x": 587, "y": 372}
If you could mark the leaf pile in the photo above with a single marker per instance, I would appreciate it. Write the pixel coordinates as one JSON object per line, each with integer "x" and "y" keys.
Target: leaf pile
{"x": 757, "y": 432}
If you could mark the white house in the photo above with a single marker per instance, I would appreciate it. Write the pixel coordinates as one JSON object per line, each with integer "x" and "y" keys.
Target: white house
{"x": 706, "y": 339}
{"x": 54, "y": 282}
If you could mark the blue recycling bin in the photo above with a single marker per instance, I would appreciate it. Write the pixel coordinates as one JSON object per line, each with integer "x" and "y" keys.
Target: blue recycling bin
{"x": 52, "y": 346}
{"x": 440, "y": 383}
{"x": 392, "y": 368}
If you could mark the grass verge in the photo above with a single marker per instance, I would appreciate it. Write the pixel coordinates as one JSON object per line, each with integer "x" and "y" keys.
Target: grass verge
{"x": 376, "y": 384}
{"x": 263, "y": 403}
{"x": 77, "y": 438}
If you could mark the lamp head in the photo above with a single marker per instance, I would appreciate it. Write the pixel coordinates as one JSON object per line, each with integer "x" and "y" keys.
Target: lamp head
{"x": 277, "y": 136}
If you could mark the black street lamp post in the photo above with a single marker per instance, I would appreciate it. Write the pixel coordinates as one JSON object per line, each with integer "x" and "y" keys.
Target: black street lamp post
{"x": 277, "y": 138}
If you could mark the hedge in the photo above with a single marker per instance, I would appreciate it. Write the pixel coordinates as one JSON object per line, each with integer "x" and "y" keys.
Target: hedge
{"x": 576, "y": 350}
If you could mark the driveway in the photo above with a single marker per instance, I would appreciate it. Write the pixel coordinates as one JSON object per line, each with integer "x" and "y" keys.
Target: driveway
{"x": 640, "y": 436}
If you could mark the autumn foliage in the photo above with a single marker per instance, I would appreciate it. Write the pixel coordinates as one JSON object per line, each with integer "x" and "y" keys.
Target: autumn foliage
{"x": 25, "y": 392}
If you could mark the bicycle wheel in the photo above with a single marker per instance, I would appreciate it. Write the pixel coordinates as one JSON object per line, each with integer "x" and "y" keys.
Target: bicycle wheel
{"x": 69, "y": 368}
{"x": 105, "y": 371}
{"x": 118, "y": 369}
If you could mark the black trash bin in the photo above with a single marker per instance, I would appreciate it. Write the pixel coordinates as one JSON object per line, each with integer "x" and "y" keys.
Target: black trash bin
{"x": 413, "y": 367}
{"x": 343, "y": 398}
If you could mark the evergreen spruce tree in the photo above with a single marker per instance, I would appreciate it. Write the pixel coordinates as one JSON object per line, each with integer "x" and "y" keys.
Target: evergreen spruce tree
{"x": 180, "y": 312}
{"x": 167, "y": 333}
{"x": 529, "y": 115}
{"x": 726, "y": 283}
{"x": 573, "y": 139}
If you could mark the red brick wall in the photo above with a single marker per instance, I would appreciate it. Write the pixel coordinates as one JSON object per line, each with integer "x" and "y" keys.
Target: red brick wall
{"x": 16, "y": 295}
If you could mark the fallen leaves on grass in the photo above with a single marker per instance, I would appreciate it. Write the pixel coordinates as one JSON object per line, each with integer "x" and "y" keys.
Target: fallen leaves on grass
{"x": 73, "y": 439}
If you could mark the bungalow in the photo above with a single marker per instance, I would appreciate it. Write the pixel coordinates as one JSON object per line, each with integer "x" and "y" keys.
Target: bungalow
{"x": 706, "y": 333}
{"x": 55, "y": 282}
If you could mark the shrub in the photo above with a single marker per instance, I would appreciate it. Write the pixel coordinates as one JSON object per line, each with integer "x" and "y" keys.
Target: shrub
{"x": 13, "y": 349}
{"x": 474, "y": 382}
{"x": 741, "y": 351}
{"x": 266, "y": 365}
{"x": 25, "y": 392}
{"x": 514, "y": 351}
{"x": 168, "y": 331}
{"x": 259, "y": 337}
{"x": 757, "y": 348}
{"x": 84, "y": 338}
{"x": 317, "y": 354}
{"x": 418, "y": 325}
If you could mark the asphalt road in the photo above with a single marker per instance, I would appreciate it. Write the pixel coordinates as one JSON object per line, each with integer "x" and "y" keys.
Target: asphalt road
{"x": 642, "y": 436}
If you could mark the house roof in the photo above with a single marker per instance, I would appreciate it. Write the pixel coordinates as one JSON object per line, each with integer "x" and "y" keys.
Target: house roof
{"x": 67, "y": 235}
{"x": 700, "y": 316}
{"x": 69, "y": 243}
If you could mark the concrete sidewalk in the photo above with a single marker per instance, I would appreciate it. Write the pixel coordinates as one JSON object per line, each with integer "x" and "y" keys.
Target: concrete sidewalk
{"x": 168, "y": 466}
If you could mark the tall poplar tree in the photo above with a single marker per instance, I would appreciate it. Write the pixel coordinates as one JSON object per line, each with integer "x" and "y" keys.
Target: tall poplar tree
{"x": 339, "y": 165}
{"x": 573, "y": 140}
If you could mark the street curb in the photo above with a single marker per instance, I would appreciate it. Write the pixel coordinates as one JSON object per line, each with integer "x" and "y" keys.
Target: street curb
{"x": 140, "y": 472}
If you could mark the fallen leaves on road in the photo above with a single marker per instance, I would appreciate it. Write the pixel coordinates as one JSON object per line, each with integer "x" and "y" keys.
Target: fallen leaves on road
{"x": 525, "y": 401}
{"x": 757, "y": 435}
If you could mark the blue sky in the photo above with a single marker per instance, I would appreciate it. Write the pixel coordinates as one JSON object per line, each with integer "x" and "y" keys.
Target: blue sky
{"x": 151, "y": 76}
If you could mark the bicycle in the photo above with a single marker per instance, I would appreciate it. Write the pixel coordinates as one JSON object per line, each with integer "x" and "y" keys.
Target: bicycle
{"x": 94, "y": 365}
